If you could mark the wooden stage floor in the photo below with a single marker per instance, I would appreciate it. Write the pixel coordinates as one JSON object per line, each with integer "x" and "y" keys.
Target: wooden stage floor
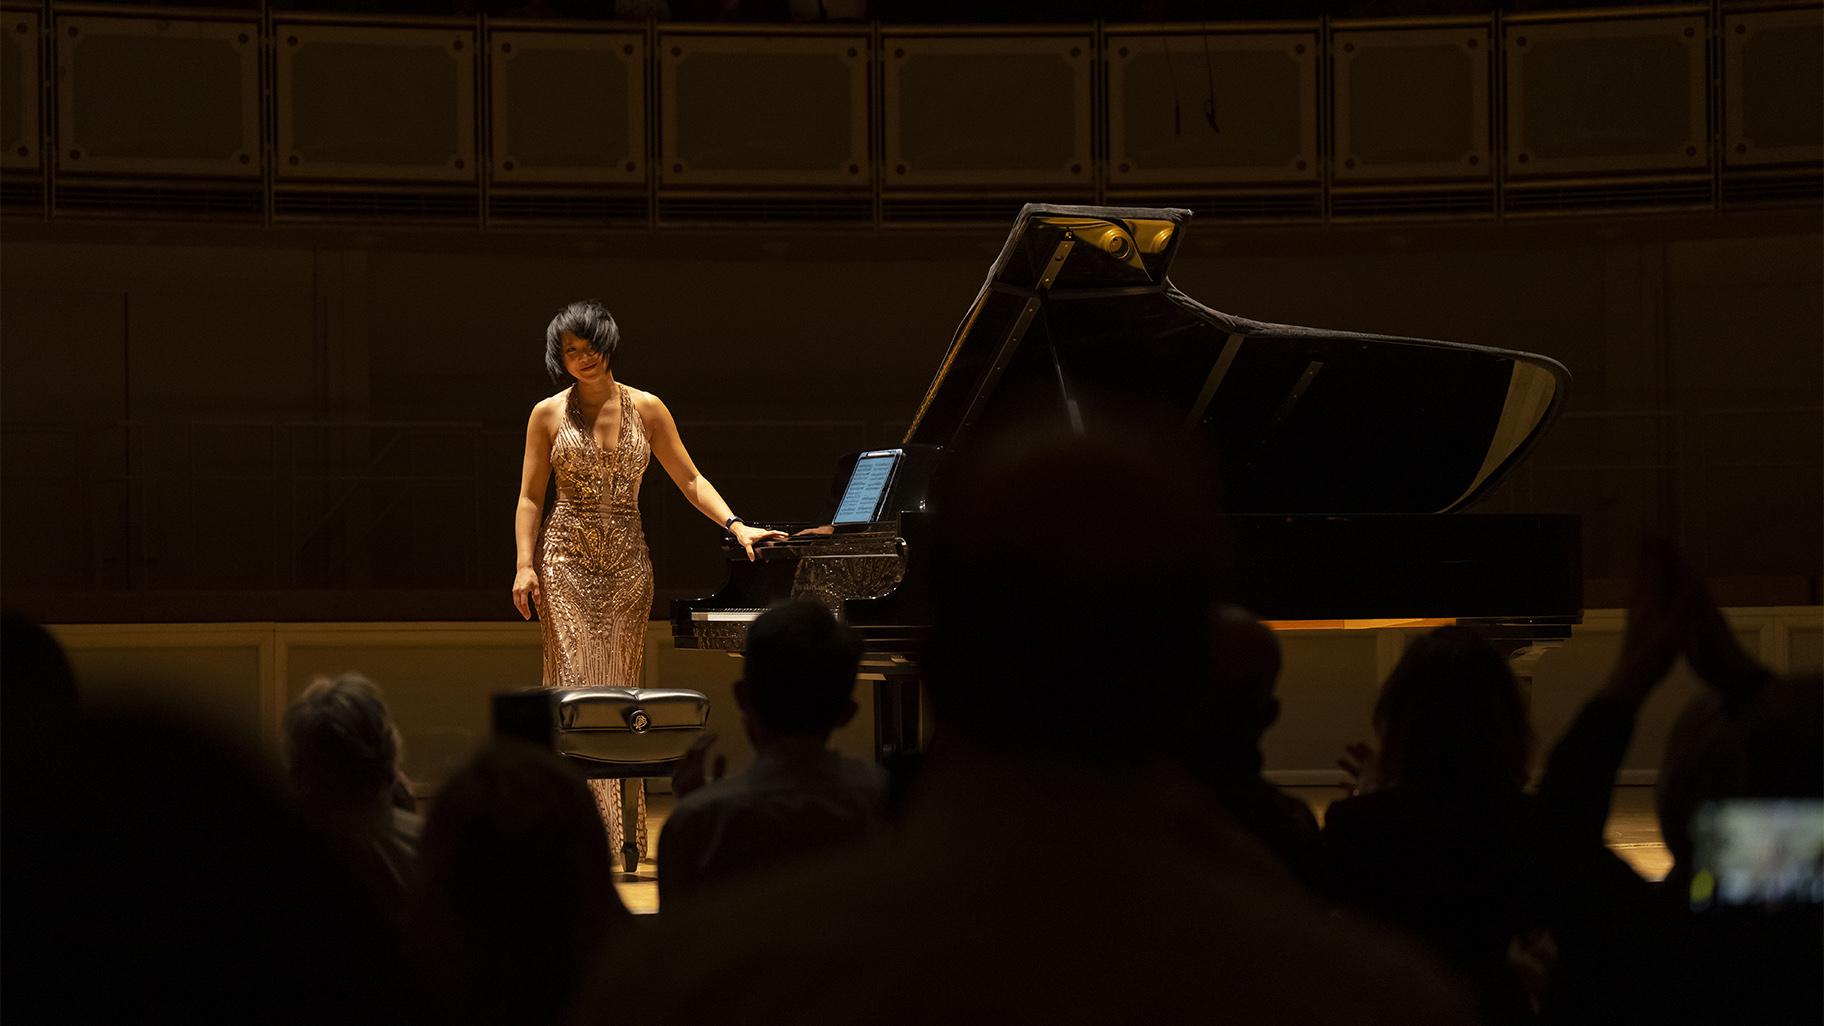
{"x": 1633, "y": 834}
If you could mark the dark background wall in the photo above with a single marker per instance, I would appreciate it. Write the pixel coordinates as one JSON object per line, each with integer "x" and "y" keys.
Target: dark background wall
{"x": 269, "y": 424}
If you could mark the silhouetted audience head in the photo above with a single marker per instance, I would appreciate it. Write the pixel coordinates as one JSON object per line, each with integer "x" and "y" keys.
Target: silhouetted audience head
{"x": 35, "y": 668}
{"x": 1223, "y": 738}
{"x": 1239, "y": 704}
{"x": 1451, "y": 718}
{"x": 341, "y": 746}
{"x": 38, "y": 705}
{"x": 1070, "y": 614}
{"x": 1244, "y": 671}
{"x": 514, "y": 890}
{"x": 180, "y": 884}
{"x": 799, "y": 676}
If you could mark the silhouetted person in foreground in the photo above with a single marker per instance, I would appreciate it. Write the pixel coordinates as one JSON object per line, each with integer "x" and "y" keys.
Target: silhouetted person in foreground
{"x": 1071, "y": 636}
{"x": 1749, "y": 736}
{"x": 177, "y": 883}
{"x": 1741, "y": 761}
{"x": 342, "y": 756}
{"x": 797, "y": 686}
{"x": 514, "y": 891}
{"x": 1224, "y": 751}
{"x": 1444, "y": 843}
{"x": 39, "y": 723}
{"x": 38, "y": 703}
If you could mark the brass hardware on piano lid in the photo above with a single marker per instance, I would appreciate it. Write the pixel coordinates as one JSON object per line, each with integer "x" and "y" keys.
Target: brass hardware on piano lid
{"x": 1140, "y": 237}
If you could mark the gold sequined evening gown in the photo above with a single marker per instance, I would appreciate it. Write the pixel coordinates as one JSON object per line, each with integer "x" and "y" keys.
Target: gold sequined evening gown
{"x": 594, "y": 574}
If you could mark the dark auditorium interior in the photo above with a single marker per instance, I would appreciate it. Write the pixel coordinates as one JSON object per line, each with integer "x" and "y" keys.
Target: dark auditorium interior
{"x": 1259, "y": 512}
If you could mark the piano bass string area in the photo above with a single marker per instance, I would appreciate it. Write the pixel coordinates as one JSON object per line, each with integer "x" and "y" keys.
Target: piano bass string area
{"x": 1347, "y": 459}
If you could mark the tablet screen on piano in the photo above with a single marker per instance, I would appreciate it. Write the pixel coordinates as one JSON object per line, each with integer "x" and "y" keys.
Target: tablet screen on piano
{"x": 867, "y": 487}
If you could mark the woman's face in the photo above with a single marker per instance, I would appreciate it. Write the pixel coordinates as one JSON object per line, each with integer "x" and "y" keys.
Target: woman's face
{"x": 582, "y": 361}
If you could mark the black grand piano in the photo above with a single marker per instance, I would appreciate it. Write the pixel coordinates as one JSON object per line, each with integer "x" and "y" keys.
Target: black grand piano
{"x": 1346, "y": 457}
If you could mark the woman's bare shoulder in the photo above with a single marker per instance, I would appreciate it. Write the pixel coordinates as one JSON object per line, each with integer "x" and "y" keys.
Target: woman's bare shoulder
{"x": 646, "y": 402}
{"x": 549, "y": 407}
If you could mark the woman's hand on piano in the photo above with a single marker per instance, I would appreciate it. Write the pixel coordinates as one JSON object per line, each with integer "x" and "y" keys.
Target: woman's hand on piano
{"x": 525, "y": 591}
{"x": 747, "y": 537}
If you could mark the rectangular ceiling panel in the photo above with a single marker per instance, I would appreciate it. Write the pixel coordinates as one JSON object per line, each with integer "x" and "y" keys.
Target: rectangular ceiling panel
{"x": 21, "y": 91}
{"x": 763, "y": 110}
{"x": 1411, "y": 103}
{"x": 987, "y": 110}
{"x": 375, "y": 102}
{"x": 158, "y": 96}
{"x": 1773, "y": 87}
{"x": 1212, "y": 108}
{"x": 1606, "y": 95}
{"x": 567, "y": 107}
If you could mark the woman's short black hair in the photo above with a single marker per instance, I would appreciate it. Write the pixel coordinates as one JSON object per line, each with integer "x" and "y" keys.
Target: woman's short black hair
{"x": 588, "y": 320}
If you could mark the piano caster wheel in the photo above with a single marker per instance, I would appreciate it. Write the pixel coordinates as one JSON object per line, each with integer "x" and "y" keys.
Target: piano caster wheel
{"x": 630, "y": 859}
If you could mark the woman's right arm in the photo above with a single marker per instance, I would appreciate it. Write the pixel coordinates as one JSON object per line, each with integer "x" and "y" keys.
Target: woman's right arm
{"x": 534, "y": 474}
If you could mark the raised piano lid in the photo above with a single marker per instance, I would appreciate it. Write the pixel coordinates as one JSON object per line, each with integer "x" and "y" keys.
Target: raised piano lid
{"x": 1078, "y": 319}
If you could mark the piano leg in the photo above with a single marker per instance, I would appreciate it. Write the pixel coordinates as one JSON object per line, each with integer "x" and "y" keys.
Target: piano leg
{"x": 897, "y": 718}
{"x": 630, "y": 823}
{"x": 1523, "y": 655}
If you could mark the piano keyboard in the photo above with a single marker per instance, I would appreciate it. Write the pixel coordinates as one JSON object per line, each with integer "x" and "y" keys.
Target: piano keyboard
{"x": 726, "y": 615}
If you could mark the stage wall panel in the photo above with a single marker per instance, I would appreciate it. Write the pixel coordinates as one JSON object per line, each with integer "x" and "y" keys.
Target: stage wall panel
{"x": 219, "y": 674}
{"x": 1693, "y": 409}
{"x": 1329, "y": 680}
{"x": 438, "y": 676}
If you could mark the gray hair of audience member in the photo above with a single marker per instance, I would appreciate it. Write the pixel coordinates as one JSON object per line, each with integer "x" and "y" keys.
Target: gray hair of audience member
{"x": 341, "y": 745}
{"x": 800, "y": 666}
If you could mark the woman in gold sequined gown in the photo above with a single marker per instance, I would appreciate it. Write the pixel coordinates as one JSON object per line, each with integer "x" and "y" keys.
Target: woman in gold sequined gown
{"x": 586, "y": 571}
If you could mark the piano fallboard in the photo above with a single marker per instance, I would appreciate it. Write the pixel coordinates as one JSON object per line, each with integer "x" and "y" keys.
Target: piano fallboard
{"x": 1490, "y": 567}
{"x": 1520, "y": 574}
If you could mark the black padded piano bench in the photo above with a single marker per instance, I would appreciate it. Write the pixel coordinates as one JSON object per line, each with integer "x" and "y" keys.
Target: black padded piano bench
{"x": 624, "y": 734}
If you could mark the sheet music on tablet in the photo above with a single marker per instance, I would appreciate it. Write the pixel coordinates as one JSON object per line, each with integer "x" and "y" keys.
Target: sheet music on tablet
{"x": 867, "y": 487}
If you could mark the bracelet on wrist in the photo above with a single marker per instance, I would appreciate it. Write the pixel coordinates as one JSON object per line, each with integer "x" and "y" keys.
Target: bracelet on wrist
{"x": 729, "y": 524}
